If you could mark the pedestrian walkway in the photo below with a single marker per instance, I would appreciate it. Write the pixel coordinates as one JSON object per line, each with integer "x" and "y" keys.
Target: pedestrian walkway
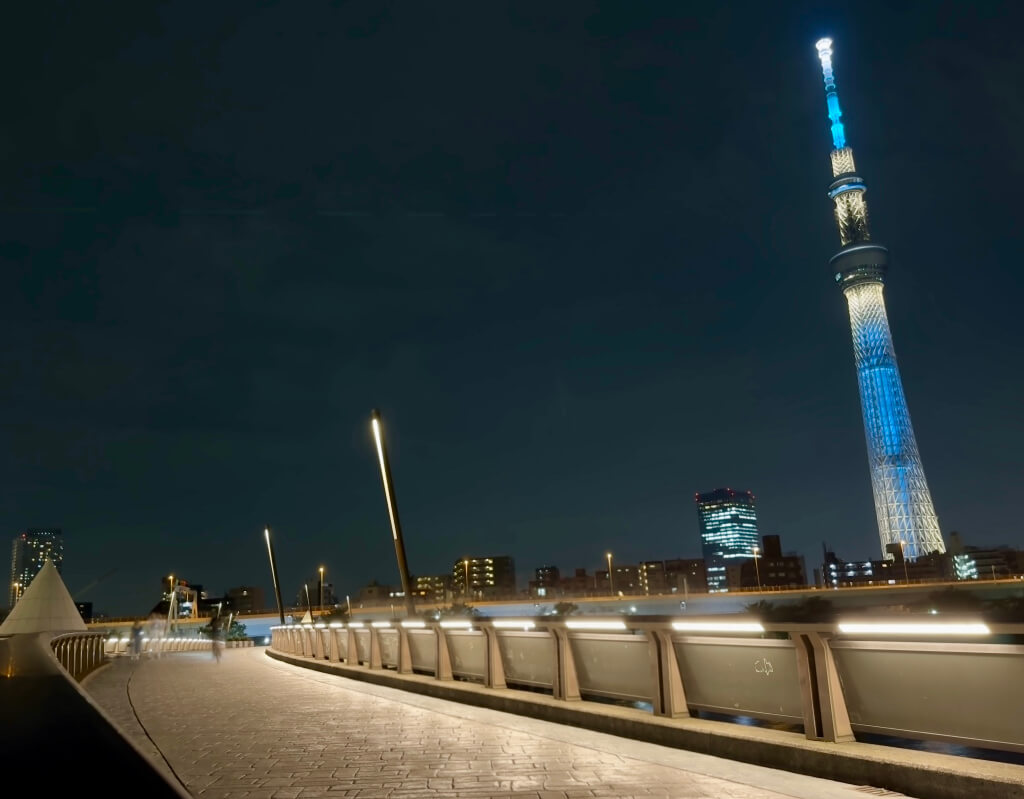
{"x": 251, "y": 726}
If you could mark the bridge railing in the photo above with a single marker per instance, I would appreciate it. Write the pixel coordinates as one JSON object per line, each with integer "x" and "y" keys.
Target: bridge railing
{"x": 79, "y": 653}
{"x": 931, "y": 681}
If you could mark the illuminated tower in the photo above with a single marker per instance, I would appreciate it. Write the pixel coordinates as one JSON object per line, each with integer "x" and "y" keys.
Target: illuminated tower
{"x": 903, "y": 503}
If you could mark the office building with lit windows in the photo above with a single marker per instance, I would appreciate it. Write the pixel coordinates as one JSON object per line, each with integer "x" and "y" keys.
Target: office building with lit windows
{"x": 484, "y": 578}
{"x": 728, "y": 532}
{"x": 30, "y": 550}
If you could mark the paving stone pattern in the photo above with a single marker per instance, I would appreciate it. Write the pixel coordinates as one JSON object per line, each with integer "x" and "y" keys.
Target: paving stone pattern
{"x": 250, "y": 726}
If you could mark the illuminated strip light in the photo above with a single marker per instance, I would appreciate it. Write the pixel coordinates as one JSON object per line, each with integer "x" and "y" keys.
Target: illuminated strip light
{"x": 320, "y": 625}
{"x": 414, "y": 623}
{"x": 457, "y": 625}
{"x": 595, "y": 625}
{"x": 510, "y": 624}
{"x": 335, "y": 624}
{"x": 356, "y": 624}
{"x": 914, "y": 628}
{"x": 845, "y": 188}
{"x": 379, "y": 624}
{"x": 718, "y": 626}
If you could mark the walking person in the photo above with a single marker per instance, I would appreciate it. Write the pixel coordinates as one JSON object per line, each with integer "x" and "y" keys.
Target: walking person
{"x": 136, "y": 642}
{"x": 217, "y": 636}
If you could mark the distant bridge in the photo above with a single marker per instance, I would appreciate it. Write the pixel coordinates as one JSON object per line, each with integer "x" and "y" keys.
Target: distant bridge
{"x": 846, "y": 598}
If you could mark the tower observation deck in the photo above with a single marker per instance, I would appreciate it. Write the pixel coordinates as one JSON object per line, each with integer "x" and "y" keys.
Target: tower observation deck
{"x": 903, "y": 503}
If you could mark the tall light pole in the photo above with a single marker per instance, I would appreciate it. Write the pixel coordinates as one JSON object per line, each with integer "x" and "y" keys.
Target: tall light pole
{"x": 273, "y": 574}
{"x": 171, "y": 597}
{"x": 321, "y": 590}
{"x": 611, "y": 585}
{"x": 309, "y": 604}
{"x": 17, "y": 593}
{"x": 465, "y": 564}
{"x": 396, "y": 527}
{"x": 903, "y": 557}
{"x": 757, "y": 570}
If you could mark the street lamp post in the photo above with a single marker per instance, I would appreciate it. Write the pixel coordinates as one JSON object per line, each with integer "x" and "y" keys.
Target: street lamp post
{"x": 611, "y": 585}
{"x": 757, "y": 570}
{"x": 309, "y": 604}
{"x": 273, "y": 574}
{"x": 17, "y": 593}
{"x": 171, "y": 611}
{"x": 396, "y": 527}
{"x": 321, "y": 590}
{"x": 465, "y": 564}
{"x": 903, "y": 557}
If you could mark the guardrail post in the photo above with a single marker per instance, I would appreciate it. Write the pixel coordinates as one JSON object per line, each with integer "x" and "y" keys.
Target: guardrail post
{"x": 566, "y": 683}
{"x": 443, "y": 671}
{"x": 334, "y": 645}
{"x": 494, "y": 669}
{"x": 404, "y": 652}
{"x": 375, "y": 657}
{"x": 351, "y": 650}
{"x": 669, "y": 696}
{"x": 825, "y": 715}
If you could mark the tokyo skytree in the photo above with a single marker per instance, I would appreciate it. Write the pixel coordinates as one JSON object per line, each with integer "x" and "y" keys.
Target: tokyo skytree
{"x": 903, "y": 504}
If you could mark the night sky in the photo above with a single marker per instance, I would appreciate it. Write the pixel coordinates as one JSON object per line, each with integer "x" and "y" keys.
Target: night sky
{"x": 576, "y": 254}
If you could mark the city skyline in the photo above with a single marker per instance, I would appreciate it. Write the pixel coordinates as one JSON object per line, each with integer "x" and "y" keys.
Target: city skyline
{"x": 577, "y": 257}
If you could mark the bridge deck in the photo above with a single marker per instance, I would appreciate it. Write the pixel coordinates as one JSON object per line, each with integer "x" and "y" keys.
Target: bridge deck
{"x": 251, "y": 726}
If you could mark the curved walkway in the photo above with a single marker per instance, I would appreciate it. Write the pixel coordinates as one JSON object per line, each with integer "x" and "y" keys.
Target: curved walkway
{"x": 251, "y": 726}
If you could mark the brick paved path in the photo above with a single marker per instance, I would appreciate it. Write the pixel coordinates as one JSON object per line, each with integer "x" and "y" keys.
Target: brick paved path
{"x": 250, "y": 726}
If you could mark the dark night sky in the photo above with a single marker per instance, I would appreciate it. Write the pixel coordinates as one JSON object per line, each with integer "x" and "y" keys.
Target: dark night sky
{"x": 575, "y": 252}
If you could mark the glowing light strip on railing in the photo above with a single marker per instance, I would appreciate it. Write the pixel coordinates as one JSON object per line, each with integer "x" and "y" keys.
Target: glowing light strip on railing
{"x": 718, "y": 626}
{"x": 914, "y": 628}
{"x": 462, "y": 625}
{"x": 413, "y": 623}
{"x": 380, "y": 624}
{"x": 355, "y": 624}
{"x": 579, "y": 624}
{"x": 513, "y": 624}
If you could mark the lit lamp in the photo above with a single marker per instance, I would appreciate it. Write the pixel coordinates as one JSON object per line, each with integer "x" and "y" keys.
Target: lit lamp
{"x": 396, "y": 528}
{"x": 321, "y": 590}
{"x": 757, "y": 570}
{"x": 611, "y": 585}
{"x": 465, "y": 564}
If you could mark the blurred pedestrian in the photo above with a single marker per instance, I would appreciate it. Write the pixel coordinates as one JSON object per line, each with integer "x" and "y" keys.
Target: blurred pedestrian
{"x": 217, "y": 636}
{"x": 157, "y": 630}
{"x": 136, "y": 642}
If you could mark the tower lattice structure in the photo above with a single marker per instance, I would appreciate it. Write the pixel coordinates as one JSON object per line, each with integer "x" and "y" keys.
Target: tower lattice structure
{"x": 903, "y": 503}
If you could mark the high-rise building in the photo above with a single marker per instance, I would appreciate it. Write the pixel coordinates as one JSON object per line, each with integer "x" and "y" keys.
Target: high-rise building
{"x": 728, "y": 532}
{"x": 485, "y": 578}
{"x": 903, "y": 504}
{"x": 30, "y": 550}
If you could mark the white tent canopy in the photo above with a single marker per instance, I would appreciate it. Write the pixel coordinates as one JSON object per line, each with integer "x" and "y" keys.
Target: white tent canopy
{"x": 45, "y": 607}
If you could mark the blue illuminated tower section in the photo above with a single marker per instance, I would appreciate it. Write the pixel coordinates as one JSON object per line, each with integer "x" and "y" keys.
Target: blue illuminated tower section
{"x": 903, "y": 504}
